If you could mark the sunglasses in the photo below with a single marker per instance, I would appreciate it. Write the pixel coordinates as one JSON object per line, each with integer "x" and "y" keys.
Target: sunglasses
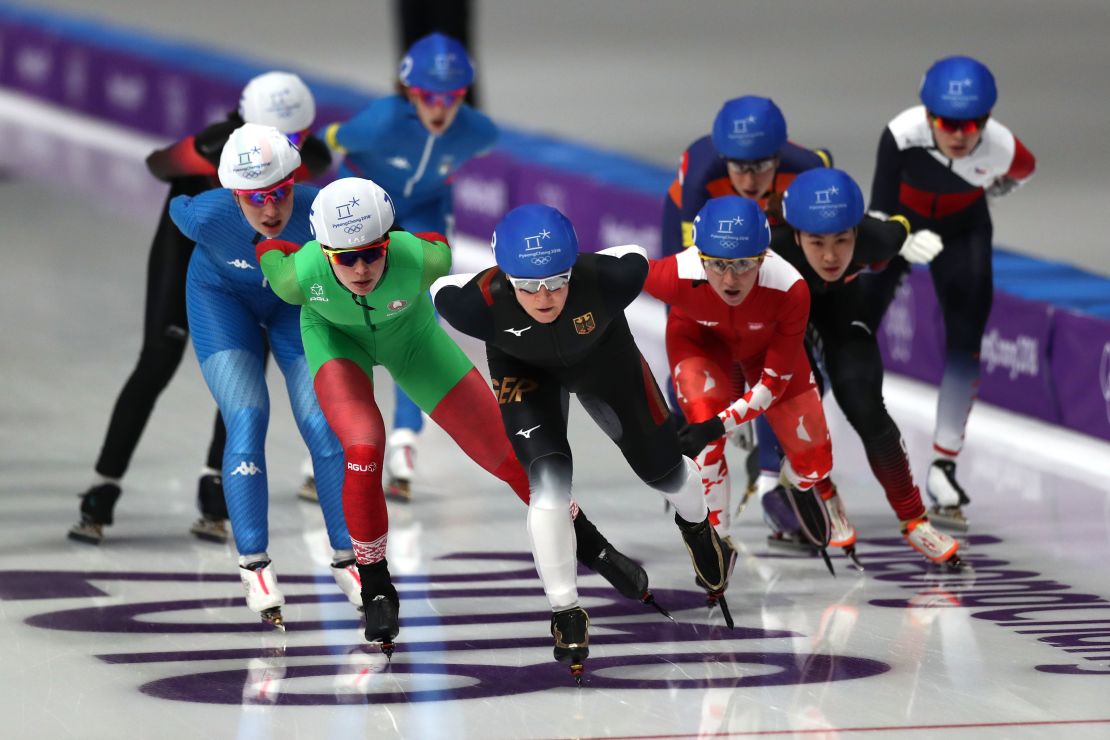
{"x": 278, "y": 193}
{"x": 533, "y": 285}
{"x": 369, "y": 253}
{"x": 739, "y": 265}
{"x": 297, "y": 137}
{"x": 753, "y": 166}
{"x": 957, "y": 125}
{"x": 434, "y": 97}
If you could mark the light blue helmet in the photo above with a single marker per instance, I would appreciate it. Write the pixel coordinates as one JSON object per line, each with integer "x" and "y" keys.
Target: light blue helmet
{"x": 750, "y": 127}
{"x": 823, "y": 201}
{"x": 958, "y": 87}
{"x": 731, "y": 227}
{"x": 534, "y": 241}
{"x": 438, "y": 63}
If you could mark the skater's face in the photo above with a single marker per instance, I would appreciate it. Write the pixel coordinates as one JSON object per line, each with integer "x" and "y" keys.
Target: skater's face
{"x": 267, "y": 211}
{"x": 752, "y": 178}
{"x": 829, "y": 255}
{"x": 956, "y": 138}
{"x": 359, "y": 271}
{"x": 733, "y": 283}
{"x": 436, "y": 111}
{"x": 544, "y": 305}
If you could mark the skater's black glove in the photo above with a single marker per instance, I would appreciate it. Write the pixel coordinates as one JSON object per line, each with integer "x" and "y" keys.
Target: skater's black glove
{"x": 693, "y": 438}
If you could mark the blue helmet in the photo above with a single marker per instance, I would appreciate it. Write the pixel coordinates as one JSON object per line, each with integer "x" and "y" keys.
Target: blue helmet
{"x": 438, "y": 63}
{"x": 534, "y": 241}
{"x": 823, "y": 201}
{"x": 958, "y": 87}
{"x": 731, "y": 227}
{"x": 749, "y": 128}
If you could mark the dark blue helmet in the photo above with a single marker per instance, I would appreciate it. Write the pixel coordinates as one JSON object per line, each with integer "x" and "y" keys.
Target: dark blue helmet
{"x": 438, "y": 63}
{"x": 534, "y": 241}
{"x": 958, "y": 87}
{"x": 731, "y": 227}
{"x": 749, "y": 128}
{"x": 823, "y": 201}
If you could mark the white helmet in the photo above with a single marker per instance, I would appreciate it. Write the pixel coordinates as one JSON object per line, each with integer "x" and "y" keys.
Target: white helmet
{"x": 278, "y": 99}
{"x": 350, "y": 213}
{"x": 256, "y": 156}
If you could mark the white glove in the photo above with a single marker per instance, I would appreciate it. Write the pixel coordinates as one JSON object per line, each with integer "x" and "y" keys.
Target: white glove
{"x": 743, "y": 436}
{"x": 1001, "y": 186}
{"x": 921, "y": 247}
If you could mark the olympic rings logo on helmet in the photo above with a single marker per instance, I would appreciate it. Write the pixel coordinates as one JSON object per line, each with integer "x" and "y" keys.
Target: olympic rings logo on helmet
{"x": 353, "y": 228}
{"x": 541, "y": 260}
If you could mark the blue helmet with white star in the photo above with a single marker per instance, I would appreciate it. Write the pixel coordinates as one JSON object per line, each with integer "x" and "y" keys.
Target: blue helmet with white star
{"x": 958, "y": 87}
{"x": 750, "y": 127}
{"x": 731, "y": 227}
{"x": 823, "y": 201}
{"x": 534, "y": 241}
{"x": 437, "y": 63}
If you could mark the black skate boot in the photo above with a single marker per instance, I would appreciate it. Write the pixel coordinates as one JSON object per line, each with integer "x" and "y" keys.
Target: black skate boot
{"x": 97, "y": 506}
{"x": 212, "y": 525}
{"x": 380, "y": 605}
{"x": 571, "y": 630}
{"x": 813, "y": 517}
{"x": 948, "y": 496}
{"x": 624, "y": 574}
{"x": 713, "y": 560}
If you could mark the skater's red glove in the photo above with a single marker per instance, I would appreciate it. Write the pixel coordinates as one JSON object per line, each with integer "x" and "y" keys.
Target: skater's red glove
{"x": 266, "y": 245}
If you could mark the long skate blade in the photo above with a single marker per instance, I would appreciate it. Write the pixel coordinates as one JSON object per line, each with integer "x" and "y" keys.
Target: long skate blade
{"x": 577, "y": 670}
{"x": 828, "y": 561}
{"x": 80, "y": 535}
{"x": 791, "y": 545}
{"x": 725, "y": 611}
{"x": 850, "y": 553}
{"x": 649, "y": 599}
{"x": 950, "y": 518}
{"x": 744, "y": 500}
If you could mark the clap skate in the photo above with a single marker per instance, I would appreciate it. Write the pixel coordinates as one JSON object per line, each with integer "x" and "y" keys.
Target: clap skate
{"x": 623, "y": 573}
{"x": 399, "y": 465}
{"x": 307, "y": 491}
{"x": 263, "y": 596}
{"x": 947, "y": 495}
{"x": 813, "y": 518}
{"x": 843, "y": 534}
{"x": 713, "y": 560}
{"x": 571, "y": 630}
{"x": 752, "y": 467}
{"x": 937, "y": 546}
{"x": 212, "y": 525}
{"x": 345, "y": 572}
{"x": 786, "y": 532}
{"x": 380, "y": 605}
{"x": 97, "y": 506}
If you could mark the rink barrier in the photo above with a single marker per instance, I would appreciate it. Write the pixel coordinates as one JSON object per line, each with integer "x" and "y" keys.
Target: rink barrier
{"x": 1046, "y": 352}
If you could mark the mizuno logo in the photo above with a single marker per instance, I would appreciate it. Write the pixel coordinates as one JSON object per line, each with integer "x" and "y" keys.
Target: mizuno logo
{"x": 527, "y": 433}
{"x": 247, "y": 468}
{"x": 708, "y": 323}
{"x": 241, "y": 264}
{"x": 518, "y": 332}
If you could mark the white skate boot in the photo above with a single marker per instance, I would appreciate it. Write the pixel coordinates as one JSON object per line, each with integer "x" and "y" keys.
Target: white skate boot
{"x": 307, "y": 491}
{"x": 843, "y": 533}
{"x": 947, "y": 496}
{"x": 345, "y": 572}
{"x": 399, "y": 465}
{"x": 934, "y": 545}
{"x": 260, "y": 582}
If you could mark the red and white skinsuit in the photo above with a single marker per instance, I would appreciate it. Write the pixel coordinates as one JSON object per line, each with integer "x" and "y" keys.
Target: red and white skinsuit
{"x": 715, "y": 349}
